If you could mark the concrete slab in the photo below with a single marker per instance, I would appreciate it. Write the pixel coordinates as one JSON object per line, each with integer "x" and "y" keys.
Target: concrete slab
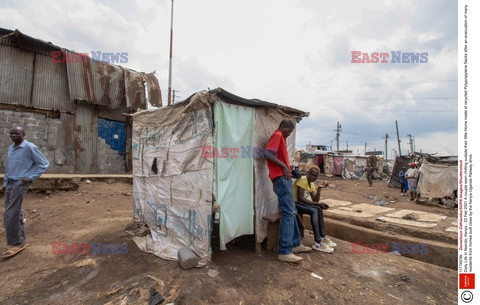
{"x": 334, "y": 203}
{"x": 423, "y": 216}
{"x": 350, "y": 213}
{"x": 367, "y": 208}
{"x": 413, "y": 223}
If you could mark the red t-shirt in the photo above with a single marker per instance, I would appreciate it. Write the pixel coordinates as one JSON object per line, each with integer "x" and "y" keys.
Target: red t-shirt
{"x": 278, "y": 145}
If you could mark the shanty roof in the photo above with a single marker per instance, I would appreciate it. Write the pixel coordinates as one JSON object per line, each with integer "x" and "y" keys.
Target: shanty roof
{"x": 231, "y": 98}
{"x": 95, "y": 82}
{"x": 19, "y": 40}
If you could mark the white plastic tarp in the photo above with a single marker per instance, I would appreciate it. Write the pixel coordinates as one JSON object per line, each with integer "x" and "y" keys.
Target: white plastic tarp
{"x": 437, "y": 180}
{"x": 234, "y": 174}
{"x": 354, "y": 167}
{"x": 172, "y": 183}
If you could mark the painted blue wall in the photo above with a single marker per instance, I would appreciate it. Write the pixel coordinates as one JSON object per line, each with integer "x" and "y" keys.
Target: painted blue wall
{"x": 114, "y": 133}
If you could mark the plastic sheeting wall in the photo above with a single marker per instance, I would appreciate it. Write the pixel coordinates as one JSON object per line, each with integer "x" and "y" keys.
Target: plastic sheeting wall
{"x": 354, "y": 167}
{"x": 234, "y": 175}
{"x": 172, "y": 182}
{"x": 438, "y": 180}
{"x": 266, "y": 202}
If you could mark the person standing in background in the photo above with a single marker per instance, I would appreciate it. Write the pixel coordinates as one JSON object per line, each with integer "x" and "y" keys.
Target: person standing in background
{"x": 23, "y": 165}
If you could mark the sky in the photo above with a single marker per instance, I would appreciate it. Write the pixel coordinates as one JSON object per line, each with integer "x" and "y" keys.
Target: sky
{"x": 294, "y": 53}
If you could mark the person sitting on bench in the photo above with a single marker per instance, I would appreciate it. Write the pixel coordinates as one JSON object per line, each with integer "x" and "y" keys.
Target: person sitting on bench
{"x": 303, "y": 188}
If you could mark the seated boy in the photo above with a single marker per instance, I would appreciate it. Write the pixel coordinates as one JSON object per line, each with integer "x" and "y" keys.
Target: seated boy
{"x": 303, "y": 188}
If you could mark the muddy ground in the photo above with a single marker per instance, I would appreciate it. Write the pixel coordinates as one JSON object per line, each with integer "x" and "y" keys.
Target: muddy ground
{"x": 99, "y": 212}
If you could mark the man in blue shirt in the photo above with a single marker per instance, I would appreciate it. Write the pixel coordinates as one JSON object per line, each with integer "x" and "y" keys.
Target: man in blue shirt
{"x": 24, "y": 164}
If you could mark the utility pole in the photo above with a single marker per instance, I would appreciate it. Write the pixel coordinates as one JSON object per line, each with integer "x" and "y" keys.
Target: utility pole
{"x": 365, "y": 152}
{"x": 170, "y": 61}
{"x": 339, "y": 128}
{"x": 410, "y": 142}
{"x": 347, "y": 145}
{"x": 386, "y": 148}
{"x": 398, "y": 140}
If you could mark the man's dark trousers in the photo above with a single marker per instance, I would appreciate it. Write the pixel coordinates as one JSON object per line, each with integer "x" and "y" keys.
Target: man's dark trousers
{"x": 13, "y": 217}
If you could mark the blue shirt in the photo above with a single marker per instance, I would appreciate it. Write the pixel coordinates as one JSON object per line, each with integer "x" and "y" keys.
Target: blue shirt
{"x": 24, "y": 161}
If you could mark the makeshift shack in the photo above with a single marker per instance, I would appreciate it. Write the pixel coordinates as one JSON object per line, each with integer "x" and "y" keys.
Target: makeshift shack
{"x": 188, "y": 155}
{"x": 438, "y": 175}
{"x": 351, "y": 166}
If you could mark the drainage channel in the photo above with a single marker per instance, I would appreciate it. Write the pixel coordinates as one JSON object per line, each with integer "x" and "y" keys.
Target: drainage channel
{"x": 430, "y": 250}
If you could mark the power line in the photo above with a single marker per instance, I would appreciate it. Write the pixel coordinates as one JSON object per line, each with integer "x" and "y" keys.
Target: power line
{"x": 378, "y": 84}
{"x": 367, "y": 99}
{"x": 384, "y": 110}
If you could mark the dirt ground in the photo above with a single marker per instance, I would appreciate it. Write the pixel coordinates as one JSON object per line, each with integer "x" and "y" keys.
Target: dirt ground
{"x": 99, "y": 212}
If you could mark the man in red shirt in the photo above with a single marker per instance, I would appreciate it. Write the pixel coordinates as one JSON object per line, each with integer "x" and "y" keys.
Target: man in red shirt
{"x": 281, "y": 175}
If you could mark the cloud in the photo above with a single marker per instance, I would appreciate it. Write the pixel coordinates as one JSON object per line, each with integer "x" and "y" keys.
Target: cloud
{"x": 295, "y": 53}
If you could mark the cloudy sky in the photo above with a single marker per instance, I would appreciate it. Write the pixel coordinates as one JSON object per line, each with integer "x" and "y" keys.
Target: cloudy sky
{"x": 291, "y": 52}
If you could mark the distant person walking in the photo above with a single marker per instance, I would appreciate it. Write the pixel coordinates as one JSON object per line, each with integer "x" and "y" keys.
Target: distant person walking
{"x": 412, "y": 175}
{"x": 370, "y": 175}
{"x": 403, "y": 182}
{"x": 280, "y": 173}
{"x": 24, "y": 164}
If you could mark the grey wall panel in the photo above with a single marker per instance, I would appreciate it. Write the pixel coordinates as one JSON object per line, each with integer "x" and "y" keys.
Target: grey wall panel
{"x": 50, "y": 89}
{"x": 16, "y": 75}
{"x": 85, "y": 139}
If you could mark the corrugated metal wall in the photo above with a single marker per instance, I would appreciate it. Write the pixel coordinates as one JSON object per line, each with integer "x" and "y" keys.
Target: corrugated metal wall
{"x": 78, "y": 92}
{"x": 16, "y": 74}
{"x": 51, "y": 85}
{"x": 109, "y": 84}
{"x": 32, "y": 80}
{"x": 80, "y": 80}
{"x": 85, "y": 139}
{"x": 65, "y": 150}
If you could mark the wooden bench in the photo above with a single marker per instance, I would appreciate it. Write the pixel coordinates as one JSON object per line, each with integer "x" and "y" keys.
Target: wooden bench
{"x": 273, "y": 229}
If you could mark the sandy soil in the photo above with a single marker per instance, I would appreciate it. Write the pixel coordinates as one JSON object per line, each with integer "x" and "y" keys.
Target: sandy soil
{"x": 99, "y": 212}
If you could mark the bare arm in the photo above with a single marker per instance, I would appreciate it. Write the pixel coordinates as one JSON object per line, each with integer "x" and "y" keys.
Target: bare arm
{"x": 315, "y": 198}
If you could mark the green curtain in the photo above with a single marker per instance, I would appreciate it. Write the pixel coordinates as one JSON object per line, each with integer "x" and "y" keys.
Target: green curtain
{"x": 234, "y": 126}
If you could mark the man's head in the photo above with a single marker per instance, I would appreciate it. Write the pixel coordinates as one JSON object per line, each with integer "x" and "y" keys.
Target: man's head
{"x": 17, "y": 134}
{"x": 286, "y": 127}
{"x": 312, "y": 173}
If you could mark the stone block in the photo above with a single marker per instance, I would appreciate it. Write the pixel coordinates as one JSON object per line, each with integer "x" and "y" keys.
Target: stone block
{"x": 186, "y": 258}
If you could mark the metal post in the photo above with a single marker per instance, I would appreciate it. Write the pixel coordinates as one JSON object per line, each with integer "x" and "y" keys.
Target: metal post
{"x": 386, "y": 148}
{"x": 398, "y": 140}
{"x": 170, "y": 61}
{"x": 338, "y": 135}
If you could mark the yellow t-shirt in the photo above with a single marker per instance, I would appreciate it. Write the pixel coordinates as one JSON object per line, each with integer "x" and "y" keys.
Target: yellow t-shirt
{"x": 304, "y": 184}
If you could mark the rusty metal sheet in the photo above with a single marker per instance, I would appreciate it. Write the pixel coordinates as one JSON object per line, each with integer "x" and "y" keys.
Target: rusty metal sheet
{"x": 112, "y": 114}
{"x": 65, "y": 150}
{"x": 109, "y": 84}
{"x": 21, "y": 41}
{"x": 80, "y": 79}
{"x": 154, "y": 93}
{"x": 135, "y": 90}
{"x": 30, "y": 77}
{"x": 85, "y": 139}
